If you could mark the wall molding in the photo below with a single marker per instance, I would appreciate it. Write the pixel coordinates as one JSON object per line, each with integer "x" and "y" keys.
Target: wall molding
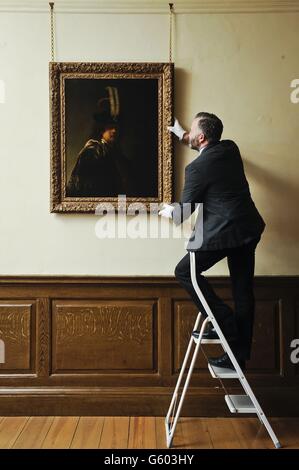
{"x": 154, "y": 6}
{"x": 223, "y": 280}
{"x": 199, "y": 402}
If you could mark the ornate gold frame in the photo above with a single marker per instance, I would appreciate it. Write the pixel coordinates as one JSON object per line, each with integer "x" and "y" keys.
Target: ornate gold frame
{"x": 58, "y": 72}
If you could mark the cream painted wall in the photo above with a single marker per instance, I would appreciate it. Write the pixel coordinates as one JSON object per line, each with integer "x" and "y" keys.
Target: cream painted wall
{"x": 239, "y": 66}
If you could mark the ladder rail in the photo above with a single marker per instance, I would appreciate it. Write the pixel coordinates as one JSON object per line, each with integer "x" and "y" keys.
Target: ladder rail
{"x": 248, "y": 390}
{"x": 181, "y": 374}
{"x": 170, "y": 427}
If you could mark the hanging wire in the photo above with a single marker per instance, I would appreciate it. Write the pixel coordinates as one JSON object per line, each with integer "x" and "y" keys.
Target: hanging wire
{"x": 52, "y": 32}
{"x": 170, "y": 30}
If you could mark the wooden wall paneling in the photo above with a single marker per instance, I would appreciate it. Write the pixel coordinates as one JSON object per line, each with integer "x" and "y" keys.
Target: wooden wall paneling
{"x": 165, "y": 345}
{"x": 266, "y": 352}
{"x": 103, "y": 335}
{"x": 18, "y": 333}
{"x": 92, "y": 345}
{"x": 295, "y": 367}
{"x": 43, "y": 337}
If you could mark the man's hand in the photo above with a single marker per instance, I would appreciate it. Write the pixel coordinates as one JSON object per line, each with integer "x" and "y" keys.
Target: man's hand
{"x": 177, "y": 129}
{"x": 166, "y": 211}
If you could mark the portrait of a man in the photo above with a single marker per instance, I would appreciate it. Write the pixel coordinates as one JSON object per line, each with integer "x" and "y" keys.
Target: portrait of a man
{"x": 101, "y": 168}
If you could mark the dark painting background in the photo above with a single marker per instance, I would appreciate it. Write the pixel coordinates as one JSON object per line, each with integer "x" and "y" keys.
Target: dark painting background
{"x": 138, "y": 125}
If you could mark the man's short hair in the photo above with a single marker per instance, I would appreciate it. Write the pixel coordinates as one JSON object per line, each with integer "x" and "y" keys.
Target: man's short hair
{"x": 210, "y": 125}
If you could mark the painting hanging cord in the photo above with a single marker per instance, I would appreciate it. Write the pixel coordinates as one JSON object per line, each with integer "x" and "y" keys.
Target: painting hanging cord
{"x": 52, "y": 31}
{"x": 171, "y": 12}
{"x": 109, "y": 132}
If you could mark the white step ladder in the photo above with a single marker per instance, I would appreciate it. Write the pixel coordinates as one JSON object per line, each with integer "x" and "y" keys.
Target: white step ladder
{"x": 246, "y": 403}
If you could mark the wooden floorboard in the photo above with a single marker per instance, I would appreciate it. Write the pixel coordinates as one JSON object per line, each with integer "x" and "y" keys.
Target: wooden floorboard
{"x": 191, "y": 433}
{"x": 222, "y": 433}
{"x": 10, "y": 429}
{"x": 88, "y": 433}
{"x": 33, "y": 433}
{"x": 61, "y": 433}
{"x": 160, "y": 433}
{"x": 115, "y": 433}
{"x": 251, "y": 433}
{"x": 143, "y": 433}
{"x": 287, "y": 430}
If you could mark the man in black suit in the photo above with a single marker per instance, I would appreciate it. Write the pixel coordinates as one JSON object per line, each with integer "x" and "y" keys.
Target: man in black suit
{"x": 232, "y": 228}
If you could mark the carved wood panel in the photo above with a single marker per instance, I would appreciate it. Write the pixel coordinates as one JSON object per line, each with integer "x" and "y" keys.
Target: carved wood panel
{"x": 104, "y": 336}
{"x": 43, "y": 333}
{"x": 296, "y": 336}
{"x": 184, "y": 316}
{"x": 266, "y": 352}
{"x": 16, "y": 327}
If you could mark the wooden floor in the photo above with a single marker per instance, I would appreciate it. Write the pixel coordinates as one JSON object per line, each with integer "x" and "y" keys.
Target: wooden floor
{"x": 142, "y": 433}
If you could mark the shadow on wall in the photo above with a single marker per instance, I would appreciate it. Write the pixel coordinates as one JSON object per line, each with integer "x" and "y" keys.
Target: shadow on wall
{"x": 183, "y": 81}
{"x": 283, "y": 197}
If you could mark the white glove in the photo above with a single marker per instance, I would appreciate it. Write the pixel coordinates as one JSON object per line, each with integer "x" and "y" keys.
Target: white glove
{"x": 166, "y": 211}
{"x": 177, "y": 129}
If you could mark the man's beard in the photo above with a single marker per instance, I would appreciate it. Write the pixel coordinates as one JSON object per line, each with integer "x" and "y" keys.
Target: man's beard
{"x": 192, "y": 145}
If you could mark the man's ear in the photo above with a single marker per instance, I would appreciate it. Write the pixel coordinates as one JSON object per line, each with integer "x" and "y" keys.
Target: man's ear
{"x": 201, "y": 137}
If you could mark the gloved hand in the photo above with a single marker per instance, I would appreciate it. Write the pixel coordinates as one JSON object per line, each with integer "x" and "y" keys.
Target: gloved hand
{"x": 166, "y": 211}
{"x": 177, "y": 129}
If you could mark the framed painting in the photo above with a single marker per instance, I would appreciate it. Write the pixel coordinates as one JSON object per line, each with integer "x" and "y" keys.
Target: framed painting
{"x": 109, "y": 134}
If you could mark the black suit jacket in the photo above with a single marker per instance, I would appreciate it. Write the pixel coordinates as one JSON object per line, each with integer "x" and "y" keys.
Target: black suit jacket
{"x": 216, "y": 178}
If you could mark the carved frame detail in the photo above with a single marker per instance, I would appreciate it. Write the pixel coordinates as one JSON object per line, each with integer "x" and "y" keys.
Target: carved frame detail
{"x": 58, "y": 73}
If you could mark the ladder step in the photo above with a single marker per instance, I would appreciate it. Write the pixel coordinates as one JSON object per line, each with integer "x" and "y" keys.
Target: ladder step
{"x": 240, "y": 404}
{"x": 222, "y": 372}
{"x": 210, "y": 341}
{"x": 195, "y": 336}
{"x": 207, "y": 341}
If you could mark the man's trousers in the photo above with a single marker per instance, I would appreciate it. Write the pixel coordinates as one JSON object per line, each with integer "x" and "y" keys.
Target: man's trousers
{"x": 240, "y": 262}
